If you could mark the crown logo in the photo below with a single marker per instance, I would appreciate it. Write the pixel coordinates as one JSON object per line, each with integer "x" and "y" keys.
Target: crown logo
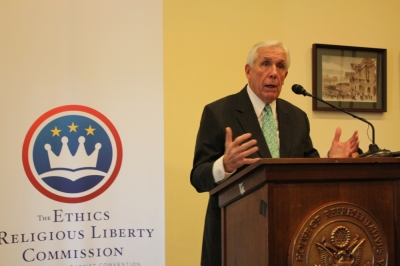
{"x": 79, "y": 160}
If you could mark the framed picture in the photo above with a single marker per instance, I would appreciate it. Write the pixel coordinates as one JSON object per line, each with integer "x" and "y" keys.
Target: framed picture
{"x": 352, "y": 78}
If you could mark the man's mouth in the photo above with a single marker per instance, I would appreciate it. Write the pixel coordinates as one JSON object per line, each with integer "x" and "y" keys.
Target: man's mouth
{"x": 270, "y": 86}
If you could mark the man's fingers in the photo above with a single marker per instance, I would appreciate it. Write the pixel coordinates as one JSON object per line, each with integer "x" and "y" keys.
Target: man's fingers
{"x": 354, "y": 141}
{"x": 228, "y": 136}
{"x": 247, "y": 145}
{"x": 237, "y": 160}
{"x": 355, "y": 136}
{"x": 251, "y": 160}
{"x": 236, "y": 151}
{"x": 242, "y": 151}
{"x": 239, "y": 140}
{"x": 250, "y": 151}
{"x": 338, "y": 132}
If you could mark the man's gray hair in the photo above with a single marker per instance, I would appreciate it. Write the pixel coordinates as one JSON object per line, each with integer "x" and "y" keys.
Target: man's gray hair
{"x": 252, "y": 56}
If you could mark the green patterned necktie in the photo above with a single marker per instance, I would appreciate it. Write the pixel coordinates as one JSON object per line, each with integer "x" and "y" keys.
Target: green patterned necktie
{"x": 269, "y": 131}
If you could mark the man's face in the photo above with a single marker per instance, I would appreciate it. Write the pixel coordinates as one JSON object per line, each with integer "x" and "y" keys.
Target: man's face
{"x": 268, "y": 73}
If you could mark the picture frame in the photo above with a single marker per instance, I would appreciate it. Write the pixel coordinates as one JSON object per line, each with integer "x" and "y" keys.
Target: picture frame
{"x": 351, "y": 78}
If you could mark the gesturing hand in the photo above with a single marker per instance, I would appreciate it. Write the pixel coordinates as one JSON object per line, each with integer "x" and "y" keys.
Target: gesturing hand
{"x": 236, "y": 151}
{"x": 343, "y": 149}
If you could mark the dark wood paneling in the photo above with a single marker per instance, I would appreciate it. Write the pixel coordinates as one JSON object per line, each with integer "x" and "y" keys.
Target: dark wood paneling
{"x": 257, "y": 234}
{"x": 290, "y": 204}
{"x": 241, "y": 246}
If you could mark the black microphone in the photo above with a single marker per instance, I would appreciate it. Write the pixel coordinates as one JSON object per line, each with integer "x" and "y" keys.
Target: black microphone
{"x": 374, "y": 150}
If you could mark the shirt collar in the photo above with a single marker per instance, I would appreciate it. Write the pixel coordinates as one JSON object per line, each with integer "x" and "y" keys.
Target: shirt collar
{"x": 258, "y": 104}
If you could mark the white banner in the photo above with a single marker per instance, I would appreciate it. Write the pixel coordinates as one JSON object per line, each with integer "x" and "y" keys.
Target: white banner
{"x": 81, "y": 105}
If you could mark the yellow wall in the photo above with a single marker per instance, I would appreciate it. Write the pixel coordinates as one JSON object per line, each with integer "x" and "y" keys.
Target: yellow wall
{"x": 205, "y": 46}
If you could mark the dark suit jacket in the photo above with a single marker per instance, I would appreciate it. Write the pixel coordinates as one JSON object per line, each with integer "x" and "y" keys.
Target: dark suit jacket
{"x": 237, "y": 112}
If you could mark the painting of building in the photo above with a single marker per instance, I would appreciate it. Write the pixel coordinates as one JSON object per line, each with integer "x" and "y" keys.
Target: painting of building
{"x": 349, "y": 79}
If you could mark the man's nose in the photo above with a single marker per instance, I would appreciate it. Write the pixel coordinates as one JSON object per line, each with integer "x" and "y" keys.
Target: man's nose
{"x": 273, "y": 73}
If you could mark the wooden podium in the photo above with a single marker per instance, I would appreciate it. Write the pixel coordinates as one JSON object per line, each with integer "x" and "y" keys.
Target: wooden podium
{"x": 311, "y": 212}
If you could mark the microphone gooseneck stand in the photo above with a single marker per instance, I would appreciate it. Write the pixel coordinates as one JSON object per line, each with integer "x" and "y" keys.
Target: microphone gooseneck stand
{"x": 374, "y": 150}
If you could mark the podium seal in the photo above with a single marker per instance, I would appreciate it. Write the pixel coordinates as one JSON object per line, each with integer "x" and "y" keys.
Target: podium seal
{"x": 338, "y": 234}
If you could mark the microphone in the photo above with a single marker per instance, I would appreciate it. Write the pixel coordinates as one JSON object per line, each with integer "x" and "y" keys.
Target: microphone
{"x": 374, "y": 150}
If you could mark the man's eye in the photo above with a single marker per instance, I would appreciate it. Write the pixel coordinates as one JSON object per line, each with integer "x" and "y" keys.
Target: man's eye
{"x": 281, "y": 66}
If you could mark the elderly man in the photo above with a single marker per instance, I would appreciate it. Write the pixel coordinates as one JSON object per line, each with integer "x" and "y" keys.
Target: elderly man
{"x": 254, "y": 123}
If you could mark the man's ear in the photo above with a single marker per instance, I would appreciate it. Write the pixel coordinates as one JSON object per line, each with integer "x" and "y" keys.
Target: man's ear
{"x": 247, "y": 70}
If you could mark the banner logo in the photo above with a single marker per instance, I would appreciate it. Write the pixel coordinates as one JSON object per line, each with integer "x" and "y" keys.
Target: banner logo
{"x": 72, "y": 154}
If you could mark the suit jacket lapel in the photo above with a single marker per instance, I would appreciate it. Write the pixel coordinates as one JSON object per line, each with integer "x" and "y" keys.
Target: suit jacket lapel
{"x": 247, "y": 119}
{"x": 285, "y": 130}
